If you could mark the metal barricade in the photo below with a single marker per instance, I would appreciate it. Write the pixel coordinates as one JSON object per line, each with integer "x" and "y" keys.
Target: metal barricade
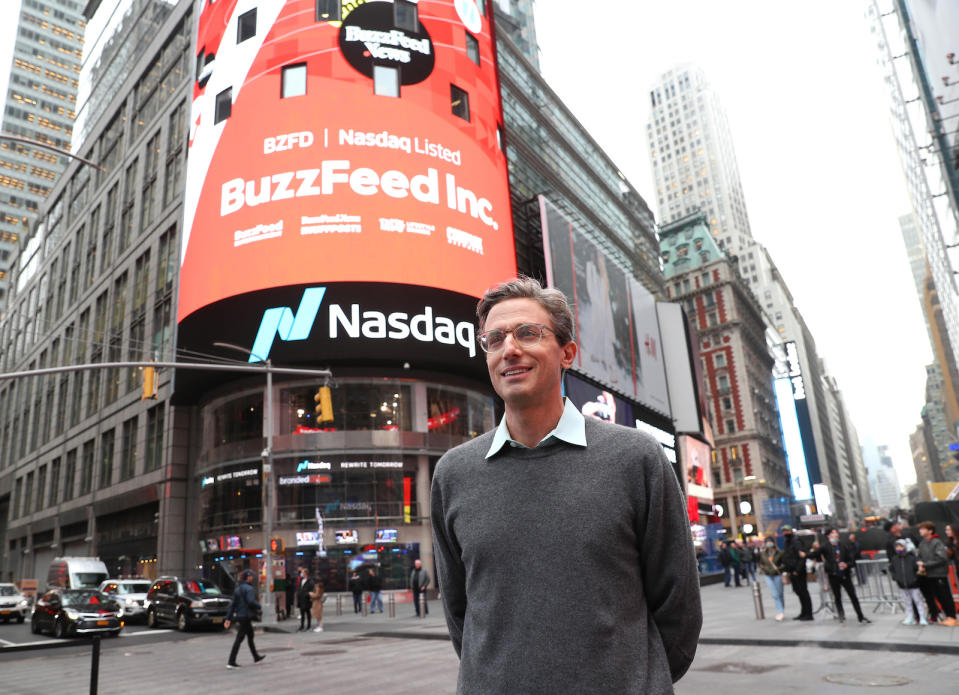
{"x": 873, "y": 583}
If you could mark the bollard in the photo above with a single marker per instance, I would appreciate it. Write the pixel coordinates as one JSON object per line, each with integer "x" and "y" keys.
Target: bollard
{"x": 339, "y": 604}
{"x": 758, "y": 601}
{"x": 421, "y": 599}
{"x": 95, "y": 665}
{"x": 366, "y": 607}
{"x": 392, "y": 602}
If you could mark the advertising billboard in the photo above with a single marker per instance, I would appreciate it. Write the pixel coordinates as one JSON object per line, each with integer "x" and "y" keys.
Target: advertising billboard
{"x": 599, "y": 403}
{"x": 342, "y": 157}
{"x": 617, "y": 331}
{"x": 792, "y": 440}
{"x": 696, "y": 457}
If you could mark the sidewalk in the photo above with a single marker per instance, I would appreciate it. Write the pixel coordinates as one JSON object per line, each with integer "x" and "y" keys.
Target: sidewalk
{"x": 729, "y": 617}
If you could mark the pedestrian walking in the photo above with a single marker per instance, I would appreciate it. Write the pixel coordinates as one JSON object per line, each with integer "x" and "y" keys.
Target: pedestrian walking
{"x": 736, "y": 557}
{"x": 304, "y": 585}
{"x": 547, "y": 624}
{"x": 726, "y": 560}
{"x": 905, "y": 572}
{"x": 375, "y": 586}
{"x": 934, "y": 576}
{"x": 837, "y": 559}
{"x": 243, "y": 605}
{"x": 794, "y": 561}
{"x": 750, "y": 555}
{"x": 317, "y": 598}
{"x": 771, "y": 566}
{"x": 356, "y": 588}
{"x": 419, "y": 580}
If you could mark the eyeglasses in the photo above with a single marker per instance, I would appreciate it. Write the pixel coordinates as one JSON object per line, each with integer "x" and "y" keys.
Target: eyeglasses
{"x": 526, "y": 334}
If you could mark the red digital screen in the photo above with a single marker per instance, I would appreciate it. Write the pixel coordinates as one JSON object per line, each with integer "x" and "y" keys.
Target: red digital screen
{"x": 300, "y": 172}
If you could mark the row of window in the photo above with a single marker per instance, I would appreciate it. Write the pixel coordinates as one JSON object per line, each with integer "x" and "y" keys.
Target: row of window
{"x": 84, "y": 468}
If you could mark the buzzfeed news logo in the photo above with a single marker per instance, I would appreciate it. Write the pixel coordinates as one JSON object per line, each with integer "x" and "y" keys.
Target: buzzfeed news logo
{"x": 356, "y": 323}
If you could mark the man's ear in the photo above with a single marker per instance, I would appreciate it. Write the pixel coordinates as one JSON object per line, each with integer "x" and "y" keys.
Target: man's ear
{"x": 568, "y": 354}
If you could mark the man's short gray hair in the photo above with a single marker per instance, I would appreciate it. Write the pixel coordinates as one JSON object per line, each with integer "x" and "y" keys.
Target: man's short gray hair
{"x": 524, "y": 287}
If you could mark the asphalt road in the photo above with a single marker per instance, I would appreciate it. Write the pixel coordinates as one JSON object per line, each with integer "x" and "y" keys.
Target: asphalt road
{"x": 14, "y": 634}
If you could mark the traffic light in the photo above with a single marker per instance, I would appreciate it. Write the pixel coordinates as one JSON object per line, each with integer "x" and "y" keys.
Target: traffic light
{"x": 276, "y": 545}
{"x": 324, "y": 404}
{"x": 149, "y": 383}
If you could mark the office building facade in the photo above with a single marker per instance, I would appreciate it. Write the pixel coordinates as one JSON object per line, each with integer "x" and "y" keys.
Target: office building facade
{"x": 40, "y": 109}
{"x": 174, "y": 482}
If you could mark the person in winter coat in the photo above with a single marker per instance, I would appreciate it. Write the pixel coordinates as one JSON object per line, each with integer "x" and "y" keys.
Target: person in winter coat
{"x": 771, "y": 566}
{"x": 794, "y": 561}
{"x": 316, "y": 608}
{"x": 356, "y": 588}
{"x": 242, "y": 606}
{"x": 375, "y": 586}
{"x": 839, "y": 562}
{"x": 419, "y": 581}
{"x": 952, "y": 545}
{"x": 934, "y": 575}
{"x": 905, "y": 566}
{"x": 726, "y": 560}
{"x": 304, "y": 585}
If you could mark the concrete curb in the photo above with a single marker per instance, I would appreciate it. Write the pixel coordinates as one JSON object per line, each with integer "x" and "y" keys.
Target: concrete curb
{"x": 34, "y": 646}
{"x": 409, "y": 635}
{"x": 913, "y": 647}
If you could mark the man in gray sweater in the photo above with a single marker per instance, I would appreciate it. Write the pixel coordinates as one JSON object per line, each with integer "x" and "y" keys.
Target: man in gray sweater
{"x": 563, "y": 550}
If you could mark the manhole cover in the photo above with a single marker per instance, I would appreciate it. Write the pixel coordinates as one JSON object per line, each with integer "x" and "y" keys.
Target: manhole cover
{"x": 276, "y": 649}
{"x": 875, "y": 680}
{"x": 739, "y": 667}
{"x": 325, "y": 652}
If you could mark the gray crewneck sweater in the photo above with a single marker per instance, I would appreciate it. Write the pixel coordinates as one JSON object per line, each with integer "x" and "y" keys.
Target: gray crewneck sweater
{"x": 566, "y": 569}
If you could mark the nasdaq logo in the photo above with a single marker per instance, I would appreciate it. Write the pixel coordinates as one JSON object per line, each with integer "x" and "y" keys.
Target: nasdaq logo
{"x": 281, "y": 321}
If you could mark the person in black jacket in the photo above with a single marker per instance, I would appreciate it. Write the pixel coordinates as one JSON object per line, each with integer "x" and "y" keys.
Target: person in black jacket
{"x": 905, "y": 570}
{"x": 839, "y": 562}
{"x": 304, "y": 587}
{"x": 243, "y": 603}
{"x": 794, "y": 561}
{"x": 374, "y": 585}
{"x": 356, "y": 588}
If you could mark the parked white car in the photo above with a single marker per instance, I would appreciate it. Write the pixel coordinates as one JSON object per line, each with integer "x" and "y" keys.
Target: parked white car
{"x": 131, "y": 594}
{"x": 13, "y": 604}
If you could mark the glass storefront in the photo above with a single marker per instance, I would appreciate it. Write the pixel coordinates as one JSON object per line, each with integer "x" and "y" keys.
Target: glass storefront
{"x": 360, "y": 469}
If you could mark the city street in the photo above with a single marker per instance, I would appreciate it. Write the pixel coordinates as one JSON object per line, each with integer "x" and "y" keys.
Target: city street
{"x": 404, "y": 654}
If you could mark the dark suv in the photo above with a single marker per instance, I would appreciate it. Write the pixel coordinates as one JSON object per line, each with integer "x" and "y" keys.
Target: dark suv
{"x": 186, "y": 603}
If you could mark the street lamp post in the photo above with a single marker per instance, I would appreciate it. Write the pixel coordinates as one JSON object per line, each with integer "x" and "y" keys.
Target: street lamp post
{"x": 266, "y": 489}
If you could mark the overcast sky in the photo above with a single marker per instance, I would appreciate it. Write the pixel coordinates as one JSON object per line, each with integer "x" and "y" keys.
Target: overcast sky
{"x": 821, "y": 176}
{"x": 820, "y": 173}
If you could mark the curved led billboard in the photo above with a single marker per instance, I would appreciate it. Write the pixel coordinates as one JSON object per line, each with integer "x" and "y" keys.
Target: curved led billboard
{"x": 341, "y": 143}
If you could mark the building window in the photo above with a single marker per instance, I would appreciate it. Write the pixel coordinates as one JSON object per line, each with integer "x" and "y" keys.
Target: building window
{"x": 293, "y": 80}
{"x": 53, "y": 496}
{"x": 154, "y": 457}
{"x": 727, "y": 403}
{"x": 106, "y": 458}
{"x": 224, "y": 105}
{"x": 405, "y": 15}
{"x": 246, "y": 26}
{"x": 328, "y": 11}
{"x": 128, "y": 453}
{"x": 86, "y": 467}
{"x": 719, "y": 359}
{"x": 460, "y": 102}
{"x": 386, "y": 81}
{"x": 70, "y": 477}
{"x": 472, "y": 48}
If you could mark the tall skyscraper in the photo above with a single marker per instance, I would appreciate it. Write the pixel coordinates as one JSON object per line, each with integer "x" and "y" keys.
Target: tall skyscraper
{"x": 694, "y": 169}
{"x": 514, "y": 18}
{"x": 40, "y": 107}
{"x": 916, "y": 41}
{"x": 749, "y": 466}
{"x": 693, "y": 158}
